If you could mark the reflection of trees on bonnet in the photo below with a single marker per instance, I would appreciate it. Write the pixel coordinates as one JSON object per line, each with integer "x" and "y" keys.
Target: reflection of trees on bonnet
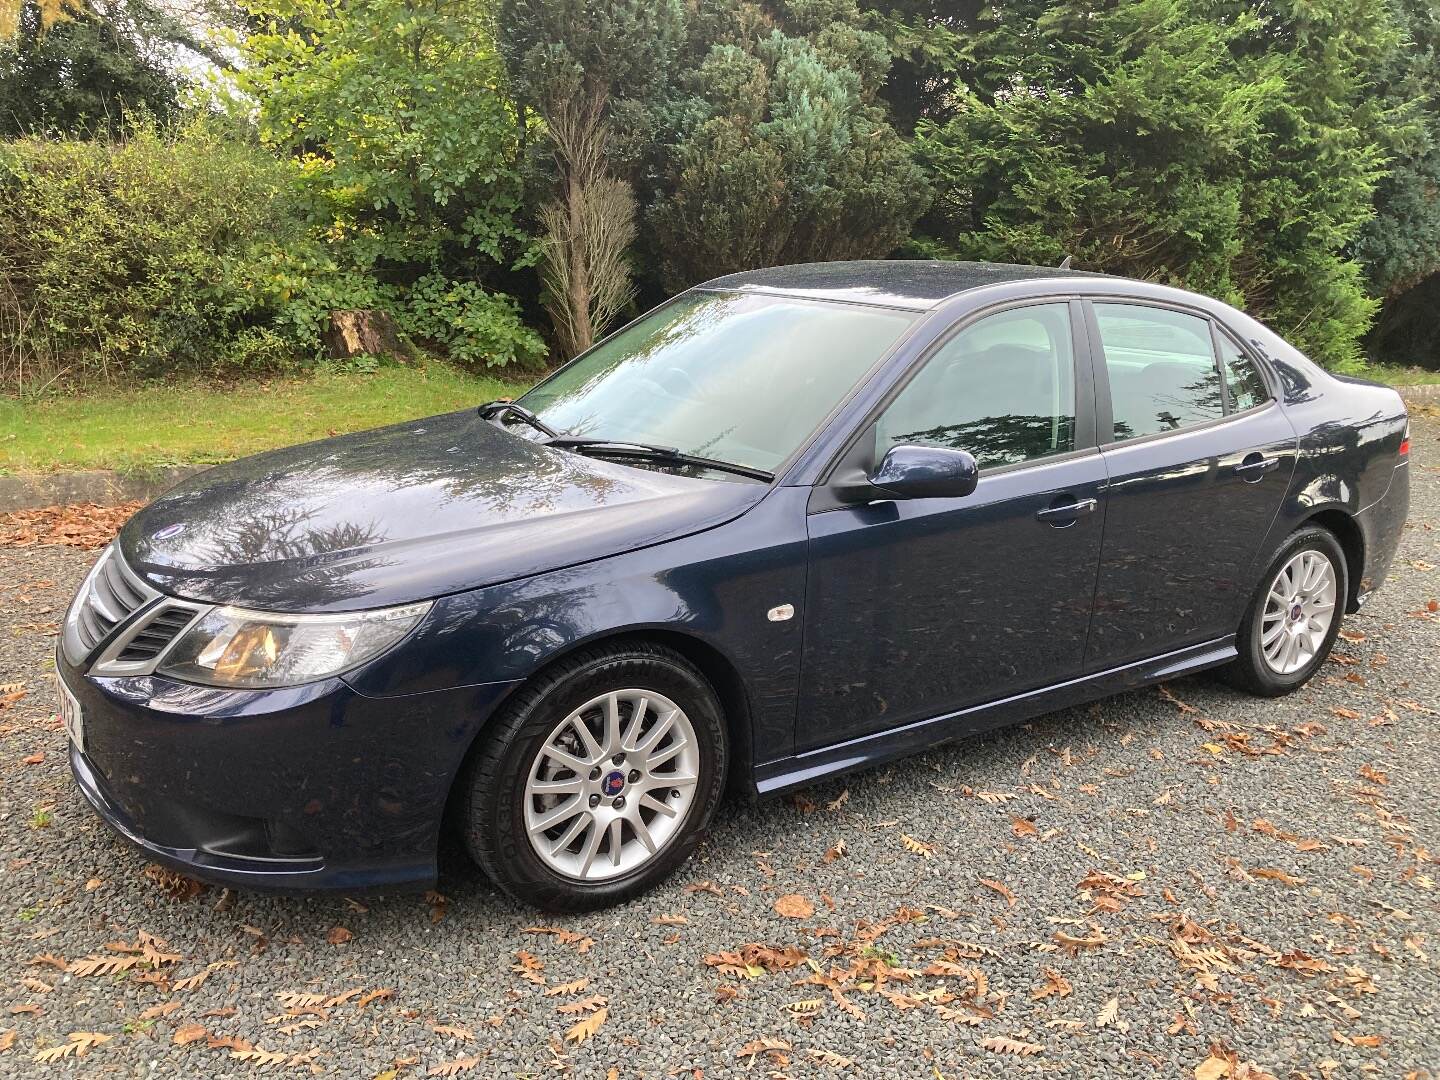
{"x": 273, "y": 529}
{"x": 327, "y": 512}
{"x": 467, "y": 459}
{"x": 999, "y": 440}
{"x": 281, "y": 534}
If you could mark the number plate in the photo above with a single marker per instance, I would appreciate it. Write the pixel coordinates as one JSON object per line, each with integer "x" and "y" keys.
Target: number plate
{"x": 74, "y": 718}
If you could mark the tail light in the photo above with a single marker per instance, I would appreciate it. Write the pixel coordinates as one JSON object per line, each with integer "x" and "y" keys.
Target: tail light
{"x": 1405, "y": 442}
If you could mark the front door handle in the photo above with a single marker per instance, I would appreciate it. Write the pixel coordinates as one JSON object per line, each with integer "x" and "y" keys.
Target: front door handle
{"x": 1253, "y": 469}
{"x": 1062, "y": 515}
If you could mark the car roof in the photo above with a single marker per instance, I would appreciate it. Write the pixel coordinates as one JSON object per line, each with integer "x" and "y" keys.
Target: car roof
{"x": 915, "y": 284}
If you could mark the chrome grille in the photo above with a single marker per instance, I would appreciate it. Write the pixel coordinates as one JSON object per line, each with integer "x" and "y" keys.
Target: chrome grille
{"x": 109, "y": 596}
{"x": 114, "y": 606}
{"x": 157, "y": 630}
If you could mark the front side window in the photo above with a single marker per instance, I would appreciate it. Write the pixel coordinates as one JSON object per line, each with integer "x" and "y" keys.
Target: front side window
{"x": 734, "y": 377}
{"x": 1161, "y": 366}
{"x": 1242, "y": 378}
{"x": 1003, "y": 389}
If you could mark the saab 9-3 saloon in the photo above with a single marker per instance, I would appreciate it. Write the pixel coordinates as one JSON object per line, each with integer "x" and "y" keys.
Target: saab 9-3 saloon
{"x": 790, "y": 523}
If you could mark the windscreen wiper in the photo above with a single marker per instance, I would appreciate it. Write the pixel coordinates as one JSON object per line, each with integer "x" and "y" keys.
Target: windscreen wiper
{"x": 496, "y": 410}
{"x": 619, "y": 448}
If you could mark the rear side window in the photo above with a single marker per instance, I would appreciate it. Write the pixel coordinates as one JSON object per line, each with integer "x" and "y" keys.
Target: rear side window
{"x": 1161, "y": 366}
{"x": 1242, "y": 378}
{"x": 1002, "y": 388}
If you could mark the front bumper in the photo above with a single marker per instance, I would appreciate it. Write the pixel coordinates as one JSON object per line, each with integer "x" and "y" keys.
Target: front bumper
{"x": 311, "y": 787}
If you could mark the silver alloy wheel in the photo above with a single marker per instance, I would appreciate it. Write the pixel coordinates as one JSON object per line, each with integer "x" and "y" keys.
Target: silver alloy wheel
{"x": 612, "y": 785}
{"x": 1299, "y": 609}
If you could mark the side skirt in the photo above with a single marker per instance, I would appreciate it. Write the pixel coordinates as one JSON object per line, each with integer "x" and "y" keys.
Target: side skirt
{"x": 783, "y": 774}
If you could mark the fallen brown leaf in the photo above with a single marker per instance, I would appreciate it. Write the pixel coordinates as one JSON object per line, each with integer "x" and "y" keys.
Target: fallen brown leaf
{"x": 1001, "y": 889}
{"x": 587, "y": 1027}
{"x": 83, "y": 525}
{"x": 1000, "y": 1044}
{"x": 794, "y": 906}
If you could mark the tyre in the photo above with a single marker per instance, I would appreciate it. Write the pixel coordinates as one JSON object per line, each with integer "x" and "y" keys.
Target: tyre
{"x": 598, "y": 779}
{"x": 1293, "y": 619}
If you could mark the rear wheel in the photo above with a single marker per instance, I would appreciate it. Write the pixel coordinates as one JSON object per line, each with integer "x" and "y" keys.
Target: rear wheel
{"x": 1294, "y": 616}
{"x": 598, "y": 780}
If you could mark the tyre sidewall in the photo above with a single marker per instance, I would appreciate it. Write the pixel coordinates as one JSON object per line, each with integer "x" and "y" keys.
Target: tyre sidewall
{"x": 1257, "y": 670}
{"x": 496, "y": 817}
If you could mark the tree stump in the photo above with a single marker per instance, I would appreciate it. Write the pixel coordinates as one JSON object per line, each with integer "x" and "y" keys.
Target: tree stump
{"x": 365, "y": 332}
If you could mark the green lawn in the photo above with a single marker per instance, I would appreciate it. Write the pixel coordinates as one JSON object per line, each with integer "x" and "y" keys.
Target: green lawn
{"x": 1401, "y": 376}
{"x": 156, "y": 424}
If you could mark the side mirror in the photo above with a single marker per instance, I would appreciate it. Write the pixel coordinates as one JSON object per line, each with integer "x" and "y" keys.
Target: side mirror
{"x": 926, "y": 472}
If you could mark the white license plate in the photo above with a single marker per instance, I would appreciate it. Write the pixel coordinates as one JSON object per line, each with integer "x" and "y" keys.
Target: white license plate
{"x": 74, "y": 718}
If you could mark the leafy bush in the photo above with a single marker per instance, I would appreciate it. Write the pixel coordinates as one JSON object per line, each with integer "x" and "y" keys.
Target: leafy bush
{"x": 142, "y": 256}
{"x": 192, "y": 251}
{"x": 408, "y": 148}
{"x": 472, "y": 325}
{"x": 299, "y": 284}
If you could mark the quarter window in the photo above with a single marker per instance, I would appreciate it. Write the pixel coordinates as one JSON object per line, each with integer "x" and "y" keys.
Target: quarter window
{"x": 1161, "y": 366}
{"x": 1003, "y": 389}
{"x": 1243, "y": 380}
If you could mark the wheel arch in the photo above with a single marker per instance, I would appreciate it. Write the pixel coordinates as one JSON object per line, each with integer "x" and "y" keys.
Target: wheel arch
{"x": 717, "y": 668}
{"x": 1346, "y": 530}
{"x": 721, "y": 673}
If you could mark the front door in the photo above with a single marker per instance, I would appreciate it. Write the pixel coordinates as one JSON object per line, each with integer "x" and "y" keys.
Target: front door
{"x": 1198, "y": 461}
{"x": 915, "y": 608}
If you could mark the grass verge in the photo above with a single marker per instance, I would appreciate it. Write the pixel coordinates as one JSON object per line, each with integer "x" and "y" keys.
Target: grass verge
{"x": 158, "y": 424}
{"x": 1396, "y": 375}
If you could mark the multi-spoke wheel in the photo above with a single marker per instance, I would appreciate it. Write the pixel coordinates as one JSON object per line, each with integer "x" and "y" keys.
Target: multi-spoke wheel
{"x": 598, "y": 779}
{"x": 611, "y": 784}
{"x": 1294, "y": 617}
{"x": 1299, "y": 609}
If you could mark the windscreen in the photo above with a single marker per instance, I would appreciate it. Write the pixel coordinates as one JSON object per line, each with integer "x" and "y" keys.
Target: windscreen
{"x": 736, "y": 377}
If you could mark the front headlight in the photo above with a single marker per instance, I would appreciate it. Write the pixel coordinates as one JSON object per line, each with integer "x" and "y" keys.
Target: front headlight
{"x": 234, "y": 647}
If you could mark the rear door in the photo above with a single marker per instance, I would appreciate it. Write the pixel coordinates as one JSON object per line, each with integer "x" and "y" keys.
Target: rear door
{"x": 919, "y": 607}
{"x": 1199, "y": 456}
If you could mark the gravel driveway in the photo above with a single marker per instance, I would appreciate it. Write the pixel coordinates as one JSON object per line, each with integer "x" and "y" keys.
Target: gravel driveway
{"x": 1163, "y": 881}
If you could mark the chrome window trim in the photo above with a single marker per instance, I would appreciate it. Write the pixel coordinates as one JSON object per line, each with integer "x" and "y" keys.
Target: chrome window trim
{"x": 1206, "y": 425}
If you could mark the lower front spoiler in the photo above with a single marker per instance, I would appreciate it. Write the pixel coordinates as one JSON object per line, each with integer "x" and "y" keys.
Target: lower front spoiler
{"x": 273, "y": 875}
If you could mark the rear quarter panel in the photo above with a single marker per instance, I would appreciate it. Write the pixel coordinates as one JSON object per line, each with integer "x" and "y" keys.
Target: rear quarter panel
{"x": 1349, "y": 432}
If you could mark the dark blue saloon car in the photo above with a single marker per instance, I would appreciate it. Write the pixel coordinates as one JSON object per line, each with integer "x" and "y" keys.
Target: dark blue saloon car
{"x": 790, "y": 523}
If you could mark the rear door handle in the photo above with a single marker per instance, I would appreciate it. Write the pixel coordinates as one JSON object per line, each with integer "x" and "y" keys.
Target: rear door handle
{"x": 1254, "y": 467}
{"x": 1063, "y": 514}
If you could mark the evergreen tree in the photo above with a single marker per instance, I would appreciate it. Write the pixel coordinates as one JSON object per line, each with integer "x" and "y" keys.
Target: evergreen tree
{"x": 928, "y": 41}
{"x": 782, "y": 151}
{"x": 73, "y": 71}
{"x": 578, "y": 65}
{"x": 1400, "y": 246}
{"x": 1219, "y": 145}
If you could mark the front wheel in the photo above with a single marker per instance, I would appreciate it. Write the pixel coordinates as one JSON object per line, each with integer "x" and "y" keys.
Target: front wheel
{"x": 598, "y": 780}
{"x": 1294, "y": 617}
